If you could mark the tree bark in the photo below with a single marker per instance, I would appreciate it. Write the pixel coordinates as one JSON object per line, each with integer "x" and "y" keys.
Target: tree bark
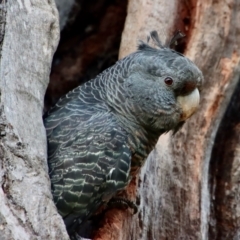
{"x": 30, "y": 37}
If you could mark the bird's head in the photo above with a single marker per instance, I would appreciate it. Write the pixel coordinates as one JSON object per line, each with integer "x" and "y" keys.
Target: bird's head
{"x": 161, "y": 86}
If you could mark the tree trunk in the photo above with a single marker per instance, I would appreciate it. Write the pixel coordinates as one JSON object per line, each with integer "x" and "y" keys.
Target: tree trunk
{"x": 188, "y": 188}
{"x": 29, "y": 35}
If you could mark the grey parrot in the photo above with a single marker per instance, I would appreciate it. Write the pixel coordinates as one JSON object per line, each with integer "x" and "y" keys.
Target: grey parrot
{"x": 101, "y": 132}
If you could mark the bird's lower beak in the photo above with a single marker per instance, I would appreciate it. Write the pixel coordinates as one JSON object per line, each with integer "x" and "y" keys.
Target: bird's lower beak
{"x": 189, "y": 104}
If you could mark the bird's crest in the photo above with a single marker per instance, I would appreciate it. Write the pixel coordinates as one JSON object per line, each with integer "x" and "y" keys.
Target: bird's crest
{"x": 157, "y": 42}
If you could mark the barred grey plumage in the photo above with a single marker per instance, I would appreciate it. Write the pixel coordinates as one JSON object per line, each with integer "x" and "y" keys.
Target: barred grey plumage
{"x": 100, "y": 133}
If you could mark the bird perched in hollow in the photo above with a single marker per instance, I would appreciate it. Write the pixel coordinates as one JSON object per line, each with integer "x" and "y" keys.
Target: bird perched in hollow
{"x": 101, "y": 132}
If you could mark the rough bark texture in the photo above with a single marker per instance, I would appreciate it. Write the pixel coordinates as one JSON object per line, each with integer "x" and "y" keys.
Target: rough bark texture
{"x": 225, "y": 175}
{"x": 30, "y": 39}
{"x": 2, "y": 22}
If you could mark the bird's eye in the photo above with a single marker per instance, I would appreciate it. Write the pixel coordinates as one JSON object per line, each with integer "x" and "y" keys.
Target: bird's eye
{"x": 168, "y": 81}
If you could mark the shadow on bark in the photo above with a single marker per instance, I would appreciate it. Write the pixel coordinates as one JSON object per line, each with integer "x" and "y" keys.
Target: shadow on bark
{"x": 224, "y": 174}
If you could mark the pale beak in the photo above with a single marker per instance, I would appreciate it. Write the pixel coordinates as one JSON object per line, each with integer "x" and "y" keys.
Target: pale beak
{"x": 189, "y": 104}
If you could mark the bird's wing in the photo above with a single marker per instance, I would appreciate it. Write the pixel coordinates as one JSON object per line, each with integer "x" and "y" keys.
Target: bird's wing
{"x": 88, "y": 159}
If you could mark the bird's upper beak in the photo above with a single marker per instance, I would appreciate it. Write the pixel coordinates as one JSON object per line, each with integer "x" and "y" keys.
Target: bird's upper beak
{"x": 189, "y": 104}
